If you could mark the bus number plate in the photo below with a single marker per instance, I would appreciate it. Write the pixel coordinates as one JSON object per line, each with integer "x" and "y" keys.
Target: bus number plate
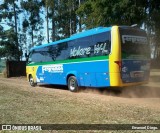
{"x": 137, "y": 74}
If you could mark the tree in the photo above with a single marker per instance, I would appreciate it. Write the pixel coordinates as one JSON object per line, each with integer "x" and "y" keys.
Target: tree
{"x": 105, "y": 13}
{"x": 67, "y": 19}
{"x": 9, "y": 14}
{"x": 8, "y": 45}
{"x": 34, "y": 22}
{"x": 152, "y": 23}
{"x": 46, "y": 4}
{"x": 49, "y": 15}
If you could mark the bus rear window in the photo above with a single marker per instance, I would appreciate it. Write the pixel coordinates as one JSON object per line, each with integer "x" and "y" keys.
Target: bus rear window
{"x": 134, "y": 43}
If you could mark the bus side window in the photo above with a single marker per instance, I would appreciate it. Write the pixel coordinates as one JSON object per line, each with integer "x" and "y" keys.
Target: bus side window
{"x": 71, "y": 45}
{"x": 101, "y": 44}
{"x": 80, "y": 48}
{"x": 62, "y": 51}
{"x": 51, "y": 53}
{"x": 84, "y": 45}
{"x": 29, "y": 59}
{"x": 39, "y": 55}
{"x": 57, "y": 52}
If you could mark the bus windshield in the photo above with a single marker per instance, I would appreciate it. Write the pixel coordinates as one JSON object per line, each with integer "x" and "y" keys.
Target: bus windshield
{"x": 134, "y": 44}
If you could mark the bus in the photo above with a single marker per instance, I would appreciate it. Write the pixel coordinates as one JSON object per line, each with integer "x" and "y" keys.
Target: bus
{"x": 102, "y": 57}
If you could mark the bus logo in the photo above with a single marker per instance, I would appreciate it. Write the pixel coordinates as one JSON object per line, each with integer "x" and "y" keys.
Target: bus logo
{"x": 52, "y": 68}
{"x": 134, "y": 39}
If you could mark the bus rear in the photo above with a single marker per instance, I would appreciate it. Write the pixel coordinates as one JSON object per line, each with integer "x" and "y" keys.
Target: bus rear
{"x": 135, "y": 56}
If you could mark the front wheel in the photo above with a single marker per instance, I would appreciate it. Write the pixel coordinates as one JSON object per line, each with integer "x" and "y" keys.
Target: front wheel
{"x": 72, "y": 84}
{"x": 31, "y": 81}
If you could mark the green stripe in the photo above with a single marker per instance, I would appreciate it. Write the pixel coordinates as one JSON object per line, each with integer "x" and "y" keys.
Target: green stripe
{"x": 71, "y": 60}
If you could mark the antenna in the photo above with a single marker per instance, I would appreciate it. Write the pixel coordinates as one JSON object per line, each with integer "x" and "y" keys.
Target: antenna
{"x": 134, "y": 25}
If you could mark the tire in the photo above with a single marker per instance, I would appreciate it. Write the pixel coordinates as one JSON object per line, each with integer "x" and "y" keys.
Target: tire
{"x": 31, "y": 81}
{"x": 72, "y": 84}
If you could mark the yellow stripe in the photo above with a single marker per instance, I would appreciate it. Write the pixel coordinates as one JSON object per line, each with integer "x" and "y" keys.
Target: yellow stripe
{"x": 115, "y": 77}
{"x": 31, "y": 70}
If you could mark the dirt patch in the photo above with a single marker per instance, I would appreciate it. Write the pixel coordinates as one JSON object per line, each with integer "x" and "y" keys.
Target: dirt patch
{"x": 21, "y": 103}
{"x": 146, "y": 95}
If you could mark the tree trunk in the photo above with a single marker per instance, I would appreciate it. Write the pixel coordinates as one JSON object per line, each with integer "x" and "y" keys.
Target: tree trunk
{"x": 80, "y": 20}
{"x": 47, "y": 25}
{"x": 53, "y": 25}
{"x": 32, "y": 37}
{"x": 15, "y": 24}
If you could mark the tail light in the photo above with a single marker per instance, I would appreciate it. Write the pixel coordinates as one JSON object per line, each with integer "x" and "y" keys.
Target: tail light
{"x": 119, "y": 63}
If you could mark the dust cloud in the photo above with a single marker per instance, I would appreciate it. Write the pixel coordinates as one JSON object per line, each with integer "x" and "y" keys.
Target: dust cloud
{"x": 150, "y": 90}
{"x": 127, "y": 92}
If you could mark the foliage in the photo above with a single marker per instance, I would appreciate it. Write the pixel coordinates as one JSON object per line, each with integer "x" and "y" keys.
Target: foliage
{"x": 9, "y": 41}
{"x": 33, "y": 22}
{"x": 8, "y": 47}
{"x": 29, "y": 21}
{"x": 153, "y": 26}
{"x": 106, "y": 12}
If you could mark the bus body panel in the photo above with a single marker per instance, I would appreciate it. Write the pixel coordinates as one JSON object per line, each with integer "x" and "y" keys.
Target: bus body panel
{"x": 114, "y": 69}
{"x": 108, "y": 70}
{"x": 135, "y": 71}
{"x": 31, "y": 70}
{"x": 94, "y": 73}
{"x": 135, "y": 56}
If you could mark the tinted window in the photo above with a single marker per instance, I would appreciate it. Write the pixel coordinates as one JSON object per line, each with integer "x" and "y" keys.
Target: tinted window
{"x": 62, "y": 53}
{"x": 80, "y": 47}
{"x": 57, "y": 52}
{"x": 39, "y": 55}
{"x": 96, "y": 45}
{"x": 134, "y": 43}
{"x": 101, "y": 44}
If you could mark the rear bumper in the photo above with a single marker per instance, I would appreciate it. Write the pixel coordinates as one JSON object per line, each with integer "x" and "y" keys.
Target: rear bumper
{"x": 134, "y": 84}
{"x": 116, "y": 81}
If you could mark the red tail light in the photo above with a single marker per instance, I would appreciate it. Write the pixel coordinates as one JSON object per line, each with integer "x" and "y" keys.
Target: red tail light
{"x": 119, "y": 63}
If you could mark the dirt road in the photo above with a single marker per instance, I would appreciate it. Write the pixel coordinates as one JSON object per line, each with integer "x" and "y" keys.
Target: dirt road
{"x": 142, "y": 103}
{"x": 145, "y": 95}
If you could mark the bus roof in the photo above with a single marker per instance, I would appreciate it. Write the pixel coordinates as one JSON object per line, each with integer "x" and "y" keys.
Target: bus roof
{"x": 78, "y": 35}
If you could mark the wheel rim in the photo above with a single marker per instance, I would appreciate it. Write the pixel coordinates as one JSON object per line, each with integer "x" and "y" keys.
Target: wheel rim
{"x": 31, "y": 80}
{"x": 72, "y": 84}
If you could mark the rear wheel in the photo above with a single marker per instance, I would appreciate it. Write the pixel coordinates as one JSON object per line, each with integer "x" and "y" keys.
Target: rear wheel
{"x": 72, "y": 84}
{"x": 31, "y": 81}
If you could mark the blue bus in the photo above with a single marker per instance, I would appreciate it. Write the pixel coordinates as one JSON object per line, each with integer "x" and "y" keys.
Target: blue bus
{"x": 114, "y": 56}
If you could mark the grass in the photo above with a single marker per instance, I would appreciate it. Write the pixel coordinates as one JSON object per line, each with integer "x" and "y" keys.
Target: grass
{"x": 22, "y": 105}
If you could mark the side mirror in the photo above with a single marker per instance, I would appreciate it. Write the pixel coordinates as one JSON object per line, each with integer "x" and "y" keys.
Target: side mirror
{"x": 26, "y": 56}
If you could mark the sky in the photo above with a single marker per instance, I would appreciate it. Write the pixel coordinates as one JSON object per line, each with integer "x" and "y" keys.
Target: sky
{"x": 21, "y": 18}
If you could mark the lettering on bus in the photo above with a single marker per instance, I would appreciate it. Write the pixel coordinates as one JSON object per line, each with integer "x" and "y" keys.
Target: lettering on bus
{"x": 87, "y": 51}
{"x": 134, "y": 39}
{"x": 80, "y": 51}
{"x": 52, "y": 68}
{"x": 100, "y": 48}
